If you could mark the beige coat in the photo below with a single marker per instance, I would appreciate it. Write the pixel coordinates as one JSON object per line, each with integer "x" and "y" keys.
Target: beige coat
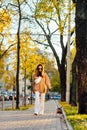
{"x": 43, "y": 85}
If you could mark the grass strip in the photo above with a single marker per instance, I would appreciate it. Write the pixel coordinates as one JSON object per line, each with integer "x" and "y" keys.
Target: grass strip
{"x": 78, "y": 121}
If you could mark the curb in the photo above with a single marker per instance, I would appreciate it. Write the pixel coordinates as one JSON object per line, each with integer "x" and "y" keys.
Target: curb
{"x": 69, "y": 127}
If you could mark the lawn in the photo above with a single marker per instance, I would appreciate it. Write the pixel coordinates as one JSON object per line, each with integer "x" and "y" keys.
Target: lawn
{"x": 77, "y": 121}
{"x": 21, "y": 108}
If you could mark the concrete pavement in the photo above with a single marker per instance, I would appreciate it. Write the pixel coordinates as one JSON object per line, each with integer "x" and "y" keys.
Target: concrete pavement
{"x": 26, "y": 120}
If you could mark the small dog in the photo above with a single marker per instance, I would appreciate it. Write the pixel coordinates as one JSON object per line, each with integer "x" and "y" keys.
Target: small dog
{"x": 59, "y": 110}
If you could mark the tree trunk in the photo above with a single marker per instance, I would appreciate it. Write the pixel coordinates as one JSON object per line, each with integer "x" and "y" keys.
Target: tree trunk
{"x": 81, "y": 45}
{"x": 18, "y": 57}
{"x": 25, "y": 87}
{"x": 73, "y": 86}
{"x": 82, "y": 88}
{"x": 63, "y": 82}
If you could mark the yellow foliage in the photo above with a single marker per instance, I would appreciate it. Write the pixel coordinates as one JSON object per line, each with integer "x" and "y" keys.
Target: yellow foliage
{"x": 44, "y": 9}
{"x": 29, "y": 57}
{"x": 4, "y": 19}
{"x": 1, "y": 67}
{"x": 61, "y": 28}
{"x": 73, "y": 6}
{"x": 2, "y": 60}
{"x": 73, "y": 53}
{"x": 8, "y": 79}
{"x": 56, "y": 3}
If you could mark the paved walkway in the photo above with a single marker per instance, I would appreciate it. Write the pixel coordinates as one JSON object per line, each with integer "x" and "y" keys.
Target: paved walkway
{"x": 26, "y": 120}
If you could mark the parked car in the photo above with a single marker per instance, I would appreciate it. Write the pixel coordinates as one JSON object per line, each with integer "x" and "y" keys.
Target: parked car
{"x": 14, "y": 94}
{"x": 31, "y": 96}
{"x": 0, "y": 96}
{"x": 56, "y": 97}
{"x": 47, "y": 96}
{"x": 10, "y": 95}
{"x": 5, "y": 95}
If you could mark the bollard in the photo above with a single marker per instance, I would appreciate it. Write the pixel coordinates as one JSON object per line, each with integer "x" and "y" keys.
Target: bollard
{"x": 2, "y": 103}
{"x": 24, "y": 100}
{"x": 13, "y": 102}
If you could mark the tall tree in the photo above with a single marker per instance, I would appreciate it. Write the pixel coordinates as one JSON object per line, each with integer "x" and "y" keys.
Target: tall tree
{"x": 44, "y": 15}
{"x": 17, "y": 11}
{"x": 81, "y": 46}
{"x": 18, "y": 53}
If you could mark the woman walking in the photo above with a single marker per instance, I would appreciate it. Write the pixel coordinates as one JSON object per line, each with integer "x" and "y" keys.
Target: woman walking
{"x": 41, "y": 84}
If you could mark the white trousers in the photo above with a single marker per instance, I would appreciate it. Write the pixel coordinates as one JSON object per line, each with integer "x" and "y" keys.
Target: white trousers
{"x": 39, "y": 103}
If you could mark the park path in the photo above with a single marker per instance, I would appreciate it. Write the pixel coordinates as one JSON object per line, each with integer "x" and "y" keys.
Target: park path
{"x": 26, "y": 120}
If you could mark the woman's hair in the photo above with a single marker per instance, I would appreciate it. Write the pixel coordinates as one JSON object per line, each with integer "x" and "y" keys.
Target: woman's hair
{"x": 37, "y": 70}
{"x": 39, "y": 65}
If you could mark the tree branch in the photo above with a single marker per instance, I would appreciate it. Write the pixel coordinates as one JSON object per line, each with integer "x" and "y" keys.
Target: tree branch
{"x": 6, "y": 51}
{"x": 41, "y": 43}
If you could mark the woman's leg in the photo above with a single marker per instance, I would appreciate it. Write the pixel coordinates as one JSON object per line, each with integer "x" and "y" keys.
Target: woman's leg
{"x": 42, "y": 100}
{"x": 37, "y": 102}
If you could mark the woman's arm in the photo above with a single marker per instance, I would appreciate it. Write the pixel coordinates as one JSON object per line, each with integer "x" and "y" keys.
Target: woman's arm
{"x": 47, "y": 81}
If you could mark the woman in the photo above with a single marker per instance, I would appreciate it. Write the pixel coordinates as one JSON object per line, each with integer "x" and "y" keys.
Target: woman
{"x": 41, "y": 84}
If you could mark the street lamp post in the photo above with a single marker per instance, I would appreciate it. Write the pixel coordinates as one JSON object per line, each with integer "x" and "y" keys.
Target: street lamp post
{"x": 68, "y": 57}
{"x": 31, "y": 89}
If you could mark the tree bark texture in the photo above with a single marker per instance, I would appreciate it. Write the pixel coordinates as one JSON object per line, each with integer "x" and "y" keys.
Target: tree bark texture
{"x": 73, "y": 100}
{"x": 18, "y": 56}
{"x": 81, "y": 45}
{"x": 25, "y": 87}
{"x": 62, "y": 73}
